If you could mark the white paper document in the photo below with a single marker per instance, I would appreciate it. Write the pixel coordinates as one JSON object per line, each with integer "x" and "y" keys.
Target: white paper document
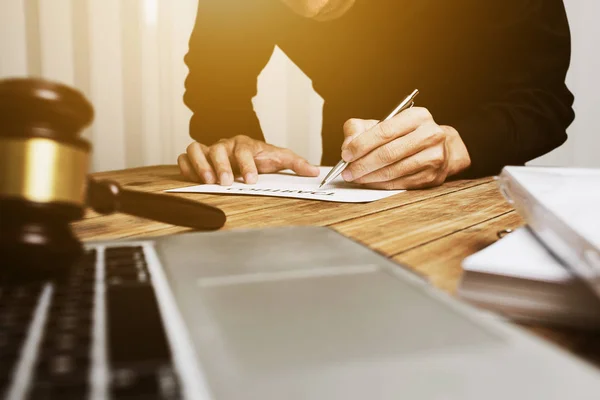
{"x": 571, "y": 194}
{"x": 519, "y": 278}
{"x": 518, "y": 255}
{"x": 288, "y": 184}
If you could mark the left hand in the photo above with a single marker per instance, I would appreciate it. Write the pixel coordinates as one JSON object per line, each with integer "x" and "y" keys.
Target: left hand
{"x": 409, "y": 151}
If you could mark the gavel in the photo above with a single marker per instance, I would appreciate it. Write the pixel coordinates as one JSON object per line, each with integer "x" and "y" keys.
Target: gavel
{"x": 44, "y": 183}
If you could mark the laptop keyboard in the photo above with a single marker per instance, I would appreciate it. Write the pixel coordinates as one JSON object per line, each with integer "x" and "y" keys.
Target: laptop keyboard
{"x": 96, "y": 334}
{"x": 16, "y": 310}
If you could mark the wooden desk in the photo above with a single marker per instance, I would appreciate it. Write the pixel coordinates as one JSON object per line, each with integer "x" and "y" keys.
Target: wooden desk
{"x": 430, "y": 231}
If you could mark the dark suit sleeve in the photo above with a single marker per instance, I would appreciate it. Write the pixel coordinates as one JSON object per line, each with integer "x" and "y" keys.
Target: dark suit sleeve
{"x": 524, "y": 56}
{"x": 227, "y": 51}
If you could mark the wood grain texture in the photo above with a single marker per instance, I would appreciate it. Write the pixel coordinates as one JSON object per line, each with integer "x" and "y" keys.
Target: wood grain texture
{"x": 405, "y": 227}
{"x": 242, "y": 211}
{"x": 440, "y": 260}
{"x": 429, "y": 231}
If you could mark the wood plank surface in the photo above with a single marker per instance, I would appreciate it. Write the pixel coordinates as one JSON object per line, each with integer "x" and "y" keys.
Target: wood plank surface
{"x": 402, "y": 228}
{"x": 429, "y": 231}
{"x": 440, "y": 260}
{"x": 242, "y": 211}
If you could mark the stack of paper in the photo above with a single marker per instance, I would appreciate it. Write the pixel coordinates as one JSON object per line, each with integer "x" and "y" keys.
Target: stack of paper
{"x": 561, "y": 206}
{"x": 521, "y": 279}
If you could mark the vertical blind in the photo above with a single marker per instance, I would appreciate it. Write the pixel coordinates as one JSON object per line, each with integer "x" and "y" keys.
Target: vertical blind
{"x": 127, "y": 57}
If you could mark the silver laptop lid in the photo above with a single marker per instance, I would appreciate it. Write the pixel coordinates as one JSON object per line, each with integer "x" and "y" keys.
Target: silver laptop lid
{"x": 304, "y": 313}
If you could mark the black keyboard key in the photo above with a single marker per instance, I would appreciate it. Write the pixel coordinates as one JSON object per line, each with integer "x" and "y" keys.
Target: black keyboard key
{"x": 68, "y": 342}
{"x": 138, "y": 349}
{"x": 139, "y": 355}
{"x": 126, "y": 265}
{"x": 63, "y": 368}
{"x": 17, "y": 305}
{"x": 135, "y": 330}
{"x": 115, "y": 256}
{"x": 150, "y": 382}
{"x": 58, "y": 390}
{"x": 63, "y": 364}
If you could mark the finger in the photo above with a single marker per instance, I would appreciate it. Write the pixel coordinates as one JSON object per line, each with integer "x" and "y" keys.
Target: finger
{"x": 219, "y": 159}
{"x": 354, "y": 127}
{"x": 303, "y": 168}
{"x": 432, "y": 158}
{"x": 186, "y": 168}
{"x": 196, "y": 155}
{"x": 386, "y": 131}
{"x": 244, "y": 158}
{"x": 299, "y": 165}
{"x": 421, "y": 180}
{"x": 277, "y": 159}
{"x": 426, "y": 136}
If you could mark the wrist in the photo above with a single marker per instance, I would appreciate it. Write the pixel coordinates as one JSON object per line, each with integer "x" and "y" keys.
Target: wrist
{"x": 458, "y": 155}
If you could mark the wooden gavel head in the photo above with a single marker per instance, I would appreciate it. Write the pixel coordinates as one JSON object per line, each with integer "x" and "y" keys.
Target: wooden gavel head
{"x": 43, "y": 172}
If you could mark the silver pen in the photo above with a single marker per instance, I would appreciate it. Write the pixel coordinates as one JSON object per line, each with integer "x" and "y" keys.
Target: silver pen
{"x": 408, "y": 102}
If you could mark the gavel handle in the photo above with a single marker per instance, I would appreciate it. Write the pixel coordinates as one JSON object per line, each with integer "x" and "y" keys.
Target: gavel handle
{"x": 107, "y": 197}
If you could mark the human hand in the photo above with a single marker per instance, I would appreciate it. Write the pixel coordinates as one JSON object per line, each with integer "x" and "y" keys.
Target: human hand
{"x": 240, "y": 154}
{"x": 409, "y": 151}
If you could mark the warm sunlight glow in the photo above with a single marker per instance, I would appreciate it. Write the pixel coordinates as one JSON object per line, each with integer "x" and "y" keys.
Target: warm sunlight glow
{"x": 151, "y": 11}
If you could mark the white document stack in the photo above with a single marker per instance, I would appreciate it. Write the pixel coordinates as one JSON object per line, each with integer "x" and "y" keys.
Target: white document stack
{"x": 549, "y": 271}
{"x": 521, "y": 279}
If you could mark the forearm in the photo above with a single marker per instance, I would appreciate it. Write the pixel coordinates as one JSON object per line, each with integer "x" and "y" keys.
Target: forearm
{"x": 515, "y": 132}
{"x": 208, "y": 126}
{"x": 529, "y": 107}
{"x": 226, "y": 53}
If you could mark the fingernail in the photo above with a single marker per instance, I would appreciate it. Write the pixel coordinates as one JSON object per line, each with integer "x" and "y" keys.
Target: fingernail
{"x": 226, "y": 179}
{"x": 347, "y": 155}
{"x": 347, "y": 175}
{"x": 208, "y": 178}
{"x": 251, "y": 178}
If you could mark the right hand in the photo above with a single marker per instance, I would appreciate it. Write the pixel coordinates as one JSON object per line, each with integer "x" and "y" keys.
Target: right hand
{"x": 240, "y": 155}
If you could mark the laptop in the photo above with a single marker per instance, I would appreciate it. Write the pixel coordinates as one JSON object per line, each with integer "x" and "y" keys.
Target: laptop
{"x": 285, "y": 313}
